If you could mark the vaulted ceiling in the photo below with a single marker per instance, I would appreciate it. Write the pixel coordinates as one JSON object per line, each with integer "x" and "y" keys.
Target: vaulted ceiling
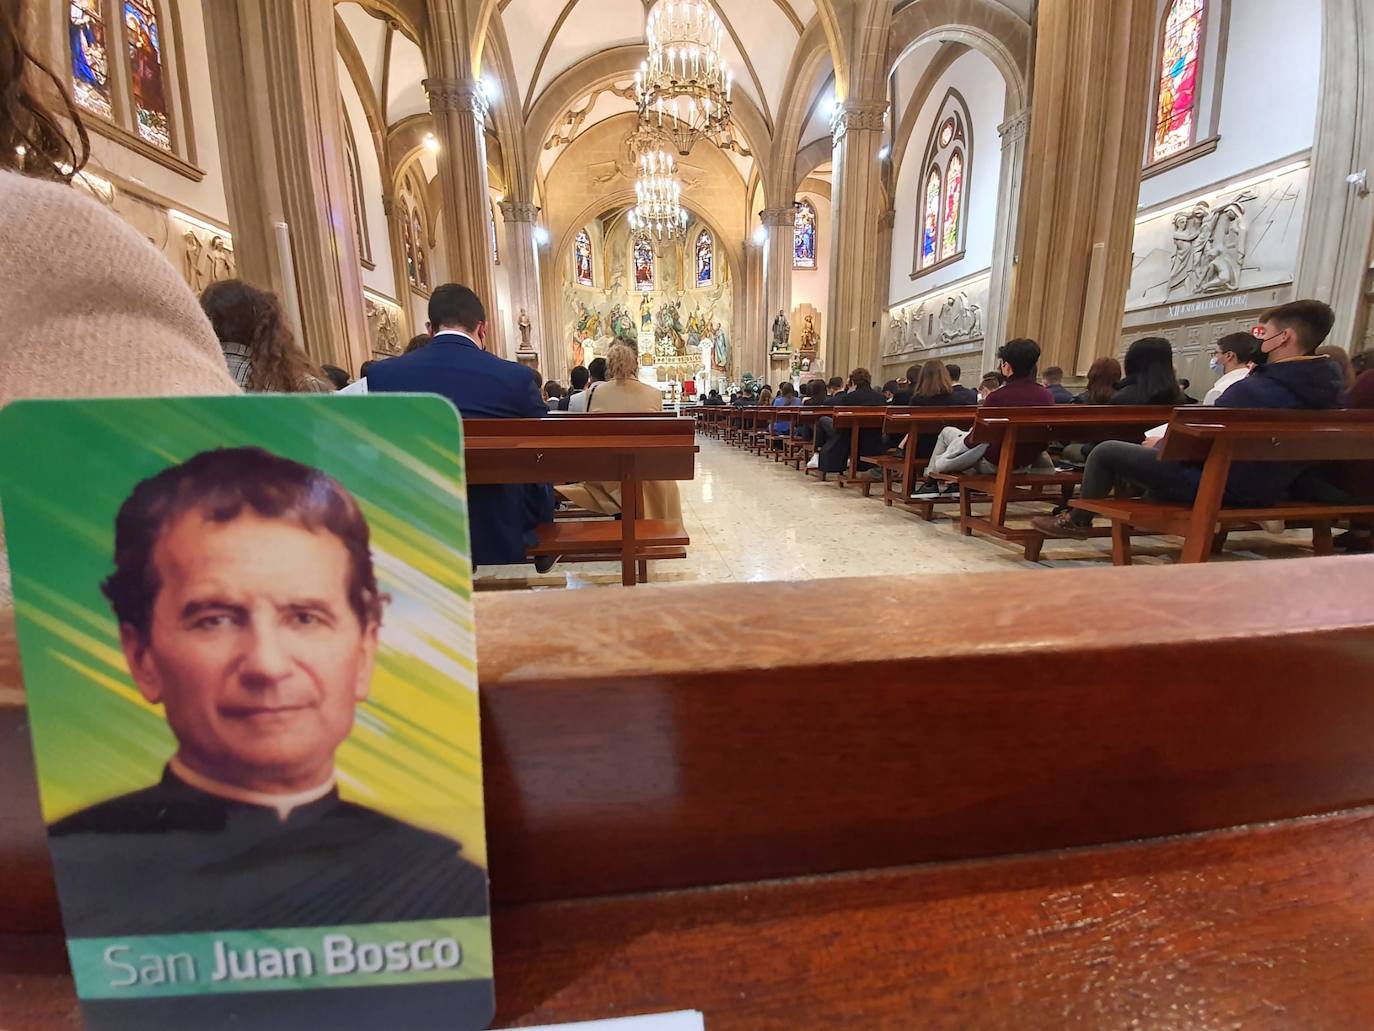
{"x": 547, "y": 37}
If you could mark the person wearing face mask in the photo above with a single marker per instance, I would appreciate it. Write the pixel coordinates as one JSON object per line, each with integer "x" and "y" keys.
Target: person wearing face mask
{"x": 1235, "y": 355}
{"x": 1293, "y": 376}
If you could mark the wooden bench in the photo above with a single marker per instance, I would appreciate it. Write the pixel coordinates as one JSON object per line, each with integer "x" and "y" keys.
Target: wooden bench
{"x": 594, "y": 448}
{"x": 1056, "y": 811}
{"x": 1010, "y": 428}
{"x": 802, "y": 450}
{"x": 1217, "y": 437}
{"x": 855, "y": 421}
{"x": 916, "y": 423}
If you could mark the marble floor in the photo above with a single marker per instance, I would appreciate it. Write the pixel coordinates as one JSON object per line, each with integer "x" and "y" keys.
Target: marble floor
{"x": 755, "y": 520}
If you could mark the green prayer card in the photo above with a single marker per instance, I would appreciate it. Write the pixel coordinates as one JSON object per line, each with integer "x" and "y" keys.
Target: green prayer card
{"x": 246, "y": 631}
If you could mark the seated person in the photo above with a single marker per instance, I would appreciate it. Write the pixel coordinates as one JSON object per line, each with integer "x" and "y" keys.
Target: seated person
{"x": 835, "y": 387}
{"x": 907, "y": 386}
{"x": 553, "y": 393}
{"x": 455, "y": 365}
{"x": 626, "y": 392}
{"x": 815, "y": 394}
{"x": 832, "y": 445}
{"x": 1235, "y": 355}
{"x": 890, "y": 389}
{"x": 596, "y": 376}
{"x": 1150, "y": 378}
{"x": 787, "y": 398}
{"x": 713, "y": 398}
{"x": 1183, "y": 385}
{"x": 933, "y": 390}
{"x": 1103, "y": 376}
{"x": 765, "y": 399}
{"x": 578, "y": 378}
{"x": 952, "y": 454}
{"x": 1053, "y": 378}
{"x": 1293, "y": 376}
{"x": 990, "y": 382}
{"x": 962, "y": 395}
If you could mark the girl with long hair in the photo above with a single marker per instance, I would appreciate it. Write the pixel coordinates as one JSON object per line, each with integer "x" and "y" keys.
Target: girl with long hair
{"x": 1150, "y": 377}
{"x": 1103, "y": 376}
{"x": 258, "y": 344}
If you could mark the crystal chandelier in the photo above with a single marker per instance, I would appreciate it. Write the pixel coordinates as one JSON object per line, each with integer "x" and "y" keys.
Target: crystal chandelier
{"x": 658, "y": 207}
{"x": 684, "y": 86}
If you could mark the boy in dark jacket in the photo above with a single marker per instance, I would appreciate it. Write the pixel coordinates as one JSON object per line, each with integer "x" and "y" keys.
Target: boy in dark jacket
{"x": 1294, "y": 376}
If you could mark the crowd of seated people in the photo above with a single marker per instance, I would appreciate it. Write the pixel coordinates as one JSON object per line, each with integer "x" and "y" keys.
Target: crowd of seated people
{"x": 1287, "y": 373}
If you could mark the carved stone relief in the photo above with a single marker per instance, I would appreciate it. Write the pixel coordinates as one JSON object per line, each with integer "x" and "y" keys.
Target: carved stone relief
{"x": 383, "y": 325}
{"x": 1242, "y": 239}
{"x": 950, "y": 317}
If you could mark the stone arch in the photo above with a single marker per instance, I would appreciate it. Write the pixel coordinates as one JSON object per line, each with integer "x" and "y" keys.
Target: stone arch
{"x": 983, "y": 25}
{"x": 606, "y": 67}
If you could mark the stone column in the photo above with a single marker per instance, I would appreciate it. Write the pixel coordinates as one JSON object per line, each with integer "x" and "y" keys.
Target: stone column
{"x": 1082, "y": 177}
{"x": 459, "y": 107}
{"x": 1004, "y": 245}
{"x": 749, "y": 348}
{"x": 856, "y": 204}
{"x": 399, "y": 275}
{"x": 1334, "y": 265}
{"x": 276, "y": 96}
{"x": 522, "y": 260}
{"x": 781, "y": 223}
{"x": 882, "y": 282}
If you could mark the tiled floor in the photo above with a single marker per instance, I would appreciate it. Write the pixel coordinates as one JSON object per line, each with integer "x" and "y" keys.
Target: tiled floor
{"x": 755, "y": 520}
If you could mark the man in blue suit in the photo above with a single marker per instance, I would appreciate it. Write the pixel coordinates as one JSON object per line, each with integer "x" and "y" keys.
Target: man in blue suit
{"x": 481, "y": 386}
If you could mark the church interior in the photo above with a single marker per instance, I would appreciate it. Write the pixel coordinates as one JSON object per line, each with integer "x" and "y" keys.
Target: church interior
{"x": 870, "y": 755}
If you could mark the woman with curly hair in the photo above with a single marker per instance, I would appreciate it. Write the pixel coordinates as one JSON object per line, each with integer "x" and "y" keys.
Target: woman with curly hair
{"x": 259, "y": 347}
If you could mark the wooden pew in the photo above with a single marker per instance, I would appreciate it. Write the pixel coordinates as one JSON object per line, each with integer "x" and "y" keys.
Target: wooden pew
{"x": 855, "y": 420}
{"x": 916, "y": 423}
{"x": 801, "y": 455}
{"x": 1011, "y": 427}
{"x": 1216, "y": 437}
{"x": 558, "y": 451}
{"x": 878, "y": 836}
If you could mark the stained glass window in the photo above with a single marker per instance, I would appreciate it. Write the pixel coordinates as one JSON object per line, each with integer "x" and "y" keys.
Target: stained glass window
{"x": 954, "y": 200}
{"x": 804, "y": 239}
{"x": 644, "y": 265}
{"x": 1176, "y": 102}
{"x": 940, "y": 223}
{"x": 582, "y": 258}
{"x": 421, "y": 254}
{"x": 412, "y": 267}
{"x": 90, "y": 58}
{"x": 706, "y": 258}
{"x": 930, "y": 229}
{"x": 145, "y": 73}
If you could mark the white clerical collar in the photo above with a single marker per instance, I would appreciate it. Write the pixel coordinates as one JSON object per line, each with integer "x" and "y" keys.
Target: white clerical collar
{"x": 283, "y": 804}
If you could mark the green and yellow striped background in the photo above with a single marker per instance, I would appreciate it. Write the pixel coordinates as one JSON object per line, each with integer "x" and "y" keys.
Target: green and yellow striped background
{"x": 67, "y": 466}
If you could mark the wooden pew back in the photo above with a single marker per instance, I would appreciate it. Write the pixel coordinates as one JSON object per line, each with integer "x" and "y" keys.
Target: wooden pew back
{"x": 1260, "y": 435}
{"x": 1068, "y": 423}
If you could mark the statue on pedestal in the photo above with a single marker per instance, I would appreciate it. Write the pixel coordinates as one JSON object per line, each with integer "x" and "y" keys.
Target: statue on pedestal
{"x": 811, "y": 340}
{"x": 524, "y": 323}
{"x": 782, "y": 332}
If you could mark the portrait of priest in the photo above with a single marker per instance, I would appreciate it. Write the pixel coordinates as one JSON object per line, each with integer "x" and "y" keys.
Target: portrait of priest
{"x": 248, "y": 609}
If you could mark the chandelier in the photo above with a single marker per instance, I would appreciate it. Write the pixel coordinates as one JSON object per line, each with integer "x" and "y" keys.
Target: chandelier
{"x": 684, "y": 86}
{"x": 658, "y": 207}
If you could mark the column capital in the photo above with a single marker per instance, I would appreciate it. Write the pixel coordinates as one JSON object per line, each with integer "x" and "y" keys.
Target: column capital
{"x": 1015, "y": 128}
{"x": 463, "y": 95}
{"x": 783, "y": 216}
{"x": 888, "y": 219}
{"x": 519, "y": 211}
{"x": 857, "y": 115}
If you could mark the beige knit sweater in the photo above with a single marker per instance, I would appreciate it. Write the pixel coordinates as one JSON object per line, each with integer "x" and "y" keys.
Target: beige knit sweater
{"x": 89, "y": 309}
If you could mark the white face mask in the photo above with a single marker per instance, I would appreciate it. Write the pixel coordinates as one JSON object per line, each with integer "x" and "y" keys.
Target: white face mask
{"x": 1216, "y": 365}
